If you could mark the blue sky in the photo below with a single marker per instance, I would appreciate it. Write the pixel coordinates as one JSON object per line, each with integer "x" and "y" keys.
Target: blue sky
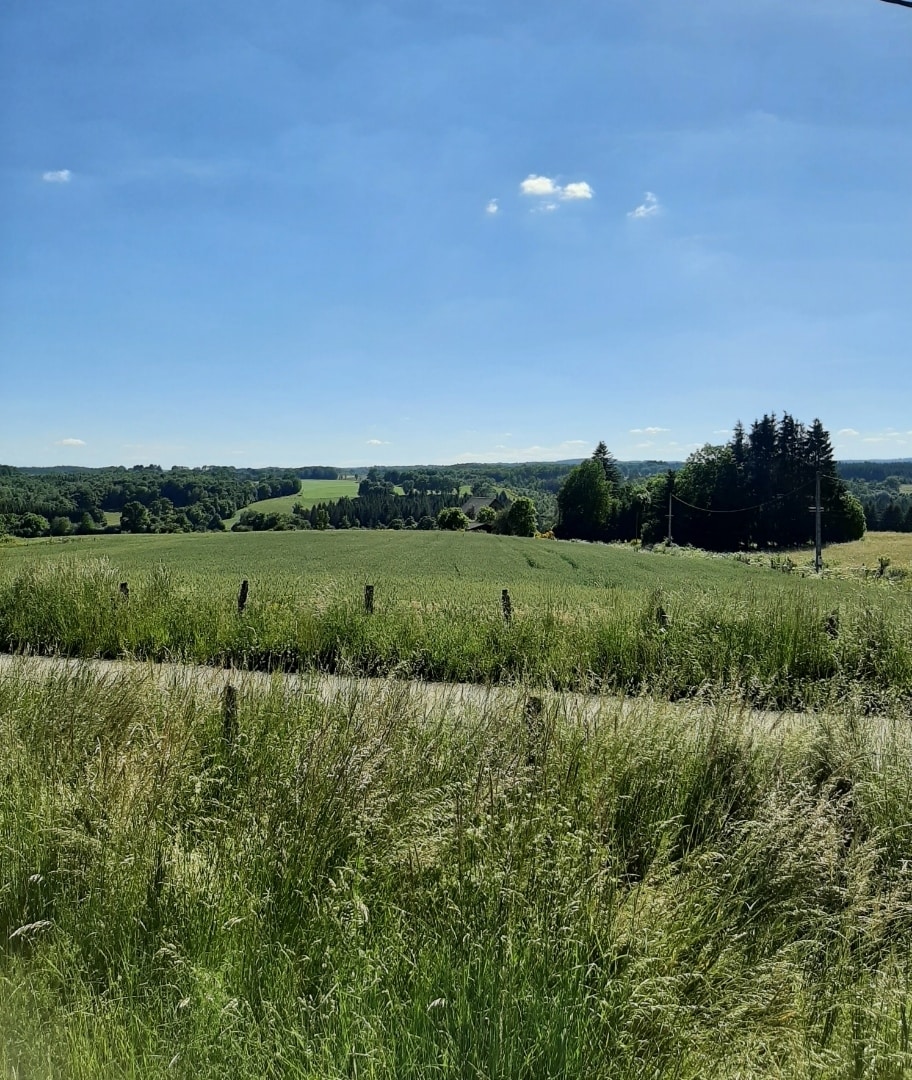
{"x": 438, "y": 230}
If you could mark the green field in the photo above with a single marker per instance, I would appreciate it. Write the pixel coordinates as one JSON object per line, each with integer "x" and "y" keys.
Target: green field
{"x": 363, "y": 885}
{"x": 583, "y": 615}
{"x": 311, "y": 493}
{"x": 373, "y": 879}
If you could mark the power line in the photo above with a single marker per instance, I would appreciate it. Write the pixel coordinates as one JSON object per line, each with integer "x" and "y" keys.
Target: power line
{"x": 745, "y": 509}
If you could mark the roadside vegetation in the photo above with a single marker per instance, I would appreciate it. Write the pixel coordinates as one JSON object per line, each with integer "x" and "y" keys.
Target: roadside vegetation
{"x": 361, "y": 883}
{"x": 581, "y": 616}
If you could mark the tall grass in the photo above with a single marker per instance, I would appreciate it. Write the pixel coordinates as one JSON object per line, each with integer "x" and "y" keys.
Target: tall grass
{"x": 780, "y": 646}
{"x": 379, "y": 884}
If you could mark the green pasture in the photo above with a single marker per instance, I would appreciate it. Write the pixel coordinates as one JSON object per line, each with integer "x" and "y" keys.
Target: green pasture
{"x": 311, "y": 493}
{"x": 582, "y": 616}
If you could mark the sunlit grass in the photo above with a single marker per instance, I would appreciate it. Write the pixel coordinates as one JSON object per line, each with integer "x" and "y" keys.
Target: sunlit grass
{"x": 375, "y": 883}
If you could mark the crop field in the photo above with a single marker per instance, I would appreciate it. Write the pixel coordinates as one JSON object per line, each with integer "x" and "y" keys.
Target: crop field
{"x": 311, "y": 493}
{"x": 359, "y": 884}
{"x": 581, "y": 616}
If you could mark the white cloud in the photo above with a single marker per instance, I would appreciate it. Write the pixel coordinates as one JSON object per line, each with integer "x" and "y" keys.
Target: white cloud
{"x": 377, "y": 442}
{"x": 649, "y": 207}
{"x": 57, "y": 176}
{"x": 544, "y": 187}
{"x": 492, "y": 207}
{"x": 723, "y": 431}
{"x": 538, "y": 185}
{"x": 848, "y": 432}
{"x": 70, "y": 442}
{"x": 648, "y": 430}
{"x": 578, "y": 190}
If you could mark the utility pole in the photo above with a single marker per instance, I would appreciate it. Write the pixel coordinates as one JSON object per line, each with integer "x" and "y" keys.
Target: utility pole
{"x": 818, "y": 509}
{"x": 669, "y": 517}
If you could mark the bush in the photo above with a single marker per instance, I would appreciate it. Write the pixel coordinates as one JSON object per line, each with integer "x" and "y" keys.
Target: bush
{"x": 452, "y": 519}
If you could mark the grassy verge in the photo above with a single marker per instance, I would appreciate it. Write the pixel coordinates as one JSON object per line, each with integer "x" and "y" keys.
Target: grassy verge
{"x": 368, "y": 886}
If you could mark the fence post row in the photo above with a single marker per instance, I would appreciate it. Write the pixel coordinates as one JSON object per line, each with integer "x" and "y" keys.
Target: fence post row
{"x": 369, "y": 599}
{"x": 242, "y": 596}
{"x": 506, "y": 605}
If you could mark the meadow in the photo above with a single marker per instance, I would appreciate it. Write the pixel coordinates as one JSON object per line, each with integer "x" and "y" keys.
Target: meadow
{"x": 582, "y": 616}
{"x": 311, "y": 493}
{"x": 866, "y": 553}
{"x": 362, "y": 884}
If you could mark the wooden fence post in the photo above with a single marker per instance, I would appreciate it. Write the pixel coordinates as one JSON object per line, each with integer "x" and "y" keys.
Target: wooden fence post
{"x": 662, "y": 617}
{"x": 242, "y": 596}
{"x": 229, "y": 717}
{"x": 369, "y": 599}
{"x": 506, "y": 605}
{"x": 124, "y": 591}
{"x": 535, "y": 728}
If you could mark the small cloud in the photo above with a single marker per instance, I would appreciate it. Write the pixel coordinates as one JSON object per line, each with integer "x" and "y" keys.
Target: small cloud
{"x": 723, "y": 431}
{"x": 848, "y": 432}
{"x": 70, "y": 442}
{"x": 649, "y": 207}
{"x": 643, "y": 445}
{"x": 544, "y": 187}
{"x": 578, "y": 190}
{"x": 377, "y": 442}
{"x": 539, "y": 185}
{"x": 648, "y": 430}
{"x": 57, "y": 176}
{"x": 492, "y": 207}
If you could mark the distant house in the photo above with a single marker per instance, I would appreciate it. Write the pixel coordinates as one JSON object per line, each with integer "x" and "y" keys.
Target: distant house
{"x": 497, "y": 502}
{"x": 471, "y": 507}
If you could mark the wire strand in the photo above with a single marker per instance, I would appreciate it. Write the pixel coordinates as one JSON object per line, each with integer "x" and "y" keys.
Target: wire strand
{"x": 757, "y": 506}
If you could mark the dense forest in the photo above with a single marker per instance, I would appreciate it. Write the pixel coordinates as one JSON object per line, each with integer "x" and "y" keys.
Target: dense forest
{"x": 148, "y": 498}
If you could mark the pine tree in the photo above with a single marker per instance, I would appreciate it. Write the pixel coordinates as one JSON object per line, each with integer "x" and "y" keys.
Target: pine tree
{"x": 609, "y": 464}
